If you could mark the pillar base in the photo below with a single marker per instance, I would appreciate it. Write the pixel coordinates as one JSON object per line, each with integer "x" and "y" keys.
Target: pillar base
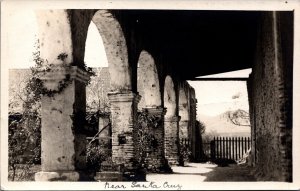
{"x": 172, "y": 140}
{"x": 57, "y": 176}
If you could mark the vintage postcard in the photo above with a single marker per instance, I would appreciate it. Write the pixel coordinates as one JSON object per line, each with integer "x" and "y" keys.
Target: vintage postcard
{"x": 150, "y": 95}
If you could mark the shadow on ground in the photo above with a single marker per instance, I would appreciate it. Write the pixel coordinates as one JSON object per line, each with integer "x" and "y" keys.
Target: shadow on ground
{"x": 230, "y": 173}
{"x": 206, "y": 172}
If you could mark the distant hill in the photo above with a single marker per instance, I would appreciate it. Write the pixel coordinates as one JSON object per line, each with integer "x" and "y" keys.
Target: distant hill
{"x": 221, "y": 125}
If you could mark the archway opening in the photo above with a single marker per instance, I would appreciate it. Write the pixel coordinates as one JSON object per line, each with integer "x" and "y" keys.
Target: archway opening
{"x": 95, "y": 58}
{"x": 97, "y": 103}
{"x": 169, "y": 97}
{"x": 223, "y": 112}
{"x": 147, "y": 82}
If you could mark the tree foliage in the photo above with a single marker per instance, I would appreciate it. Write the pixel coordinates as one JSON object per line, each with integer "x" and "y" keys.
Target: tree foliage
{"x": 97, "y": 100}
{"x": 96, "y": 153}
{"x": 25, "y": 131}
{"x": 239, "y": 117}
{"x": 201, "y": 125}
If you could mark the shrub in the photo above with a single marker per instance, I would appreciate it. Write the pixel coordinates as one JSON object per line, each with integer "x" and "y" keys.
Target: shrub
{"x": 96, "y": 154}
{"x": 97, "y": 151}
{"x": 146, "y": 141}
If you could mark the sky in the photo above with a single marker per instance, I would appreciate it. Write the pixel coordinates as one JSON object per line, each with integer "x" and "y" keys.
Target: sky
{"x": 213, "y": 97}
{"x": 216, "y": 97}
{"x": 21, "y": 39}
{"x": 23, "y": 36}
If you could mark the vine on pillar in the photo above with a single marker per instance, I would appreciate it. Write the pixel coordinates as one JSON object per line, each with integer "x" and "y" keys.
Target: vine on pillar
{"x": 63, "y": 113}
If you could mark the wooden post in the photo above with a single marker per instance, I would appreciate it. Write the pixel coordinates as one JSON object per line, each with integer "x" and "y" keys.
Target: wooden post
{"x": 243, "y": 149}
{"x": 229, "y": 147}
{"x": 212, "y": 149}
{"x": 236, "y": 148}
{"x": 223, "y": 147}
{"x": 246, "y": 147}
{"x": 225, "y": 152}
{"x": 217, "y": 147}
{"x": 233, "y": 148}
{"x": 239, "y": 141}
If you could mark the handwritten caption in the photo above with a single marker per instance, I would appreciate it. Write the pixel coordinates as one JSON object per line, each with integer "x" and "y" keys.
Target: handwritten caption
{"x": 151, "y": 185}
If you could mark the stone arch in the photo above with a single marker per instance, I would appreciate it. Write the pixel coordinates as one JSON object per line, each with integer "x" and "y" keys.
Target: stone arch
{"x": 63, "y": 33}
{"x": 183, "y": 102}
{"x": 148, "y": 83}
{"x": 60, "y": 35}
{"x": 95, "y": 55}
{"x": 116, "y": 50}
{"x": 99, "y": 86}
{"x": 184, "y": 110}
{"x": 169, "y": 97}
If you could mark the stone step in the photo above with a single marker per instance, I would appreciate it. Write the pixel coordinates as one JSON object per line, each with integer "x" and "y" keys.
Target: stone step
{"x": 108, "y": 176}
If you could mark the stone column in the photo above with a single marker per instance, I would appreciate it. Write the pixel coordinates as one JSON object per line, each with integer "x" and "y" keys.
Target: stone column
{"x": 123, "y": 119}
{"x": 156, "y": 157}
{"x": 183, "y": 129}
{"x": 172, "y": 139}
{"x": 184, "y": 145}
{"x": 184, "y": 113}
{"x": 195, "y": 136}
{"x": 184, "y": 126}
{"x": 63, "y": 116}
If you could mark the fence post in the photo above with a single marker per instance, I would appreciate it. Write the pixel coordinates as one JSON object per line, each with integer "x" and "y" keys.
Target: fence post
{"x": 243, "y": 150}
{"x": 223, "y": 143}
{"x": 226, "y": 146}
{"x": 217, "y": 153}
{"x": 212, "y": 149}
{"x": 229, "y": 140}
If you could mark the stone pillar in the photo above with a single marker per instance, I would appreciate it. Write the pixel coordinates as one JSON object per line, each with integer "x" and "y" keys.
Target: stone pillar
{"x": 184, "y": 111}
{"x": 198, "y": 139}
{"x": 63, "y": 116}
{"x": 195, "y": 135}
{"x": 172, "y": 140}
{"x": 183, "y": 129}
{"x": 156, "y": 157}
{"x": 184, "y": 123}
{"x": 123, "y": 119}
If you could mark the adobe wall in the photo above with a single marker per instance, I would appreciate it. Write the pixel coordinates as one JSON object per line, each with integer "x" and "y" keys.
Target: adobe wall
{"x": 270, "y": 99}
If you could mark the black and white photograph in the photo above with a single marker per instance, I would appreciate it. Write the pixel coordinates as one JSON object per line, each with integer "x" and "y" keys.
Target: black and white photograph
{"x": 150, "y": 95}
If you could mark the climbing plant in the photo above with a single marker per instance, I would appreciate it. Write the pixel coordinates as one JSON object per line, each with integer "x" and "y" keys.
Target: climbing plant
{"x": 184, "y": 154}
{"x": 97, "y": 152}
{"x": 24, "y": 138}
{"x": 146, "y": 141}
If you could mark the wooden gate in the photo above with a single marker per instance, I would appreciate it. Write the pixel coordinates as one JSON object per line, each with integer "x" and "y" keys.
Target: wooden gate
{"x": 227, "y": 147}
